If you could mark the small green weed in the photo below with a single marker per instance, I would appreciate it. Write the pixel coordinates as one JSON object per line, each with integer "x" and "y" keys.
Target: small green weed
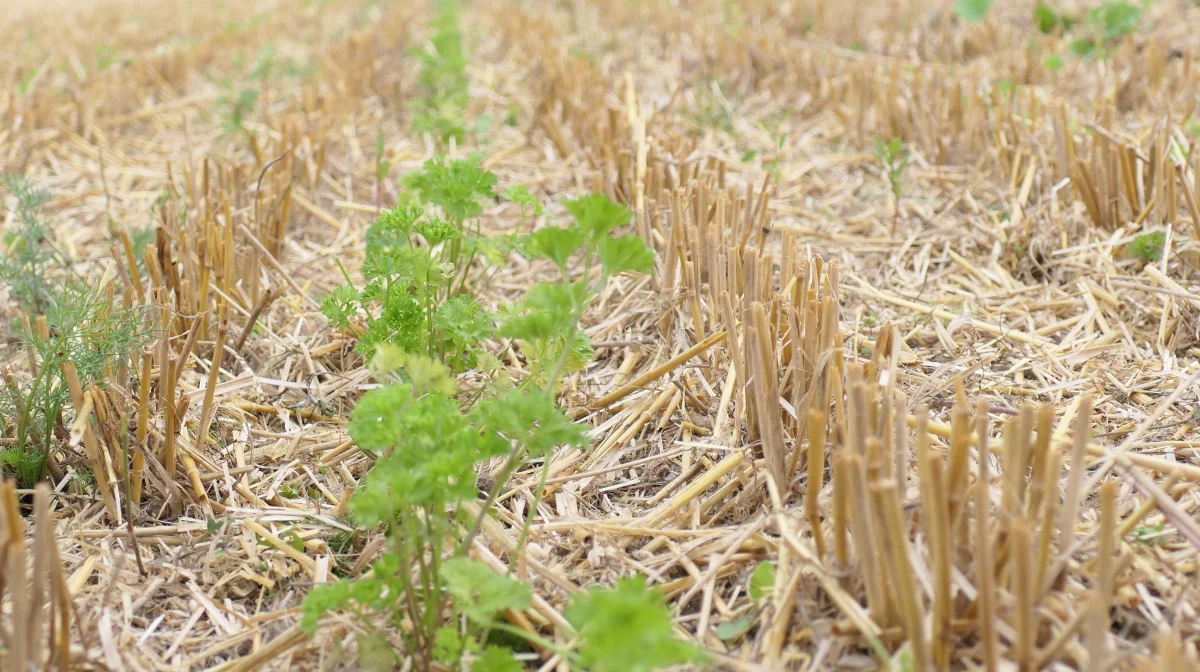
{"x": 1049, "y": 21}
{"x": 422, "y": 490}
{"x": 106, "y": 56}
{"x": 973, "y": 10}
{"x": 82, "y": 326}
{"x": 626, "y": 628}
{"x": 235, "y": 106}
{"x": 416, "y": 265}
{"x": 1146, "y": 246}
{"x": 1106, "y": 25}
{"x": 1150, "y": 535}
{"x": 893, "y": 157}
{"x": 1053, "y": 62}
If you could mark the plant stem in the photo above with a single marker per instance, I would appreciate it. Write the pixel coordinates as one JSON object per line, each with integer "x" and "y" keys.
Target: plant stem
{"x": 528, "y": 523}
{"x": 505, "y": 473}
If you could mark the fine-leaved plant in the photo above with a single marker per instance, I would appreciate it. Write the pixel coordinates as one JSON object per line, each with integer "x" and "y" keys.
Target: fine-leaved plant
{"x": 76, "y": 322}
{"x": 425, "y": 599}
{"x": 893, "y": 158}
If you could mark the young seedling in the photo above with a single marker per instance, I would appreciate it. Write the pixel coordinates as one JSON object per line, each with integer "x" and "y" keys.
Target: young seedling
{"x": 1107, "y": 24}
{"x": 893, "y": 157}
{"x": 428, "y": 445}
{"x": 77, "y": 323}
{"x": 1147, "y": 247}
{"x": 382, "y": 168}
{"x": 973, "y": 10}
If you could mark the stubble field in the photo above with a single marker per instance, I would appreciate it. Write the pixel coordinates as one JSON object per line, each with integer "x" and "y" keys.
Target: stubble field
{"x": 600, "y": 334}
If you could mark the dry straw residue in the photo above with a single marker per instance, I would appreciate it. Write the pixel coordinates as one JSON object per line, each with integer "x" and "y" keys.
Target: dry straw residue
{"x": 951, "y": 400}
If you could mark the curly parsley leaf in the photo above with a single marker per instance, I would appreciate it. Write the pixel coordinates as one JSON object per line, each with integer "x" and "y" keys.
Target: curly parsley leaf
{"x": 627, "y": 628}
{"x": 555, "y": 244}
{"x": 480, "y": 592}
{"x": 457, "y": 186}
{"x": 625, "y": 253}
{"x": 598, "y": 215}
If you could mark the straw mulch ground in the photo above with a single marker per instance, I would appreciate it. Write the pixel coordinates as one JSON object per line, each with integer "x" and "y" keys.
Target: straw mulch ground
{"x": 743, "y": 135}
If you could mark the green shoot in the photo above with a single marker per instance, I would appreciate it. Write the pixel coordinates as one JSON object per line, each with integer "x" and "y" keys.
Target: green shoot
{"x": 382, "y": 168}
{"x": 1050, "y": 21}
{"x": 1146, "y": 246}
{"x": 627, "y": 629}
{"x": 1107, "y": 24}
{"x": 82, "y": 326}
{"x": 893, "y": 157}
{"x": 428, "y": 445}
{"x": 972, "y": 10}
{"x": 762, "y": 580}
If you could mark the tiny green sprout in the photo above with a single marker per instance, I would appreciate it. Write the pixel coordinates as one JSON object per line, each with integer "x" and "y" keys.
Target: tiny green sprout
{"x": 973, "y": 10}
{"x": 762, "y": 580}
{"x": 902, "y": 661}
{"x": 870, "y": 319}
{"x": 1050, "y": 21}
{"x": 382, "y": 167}
{"x": 1146, "y": 246}
{"x": 217, "y": 525}
{"x": 626, "y": 628}
{"x": 529, "y": 204}
{"x": 294, "y": 540}
{"x": 27, "y": 80}
{"x": 731, "y": 630}
{"x": 893, "y": 157}
{"x": 1150, "y": 535}
{"x": 1053, "y": 62}
{"x": 1107, "y": 24}
{"x": 106, "y": 55}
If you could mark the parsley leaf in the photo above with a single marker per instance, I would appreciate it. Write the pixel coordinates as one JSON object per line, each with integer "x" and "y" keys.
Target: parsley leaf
{"x": 496, "y": 659}
{"x": 626, "y": 628}
{"x": 480, "y": 592}
{"x": 625, "y": 253}
{"x": 321, "y": 599}
{"x": 457, "y": 186}
{"x": 555, "y": 244}
{"x": 598, "y": 215}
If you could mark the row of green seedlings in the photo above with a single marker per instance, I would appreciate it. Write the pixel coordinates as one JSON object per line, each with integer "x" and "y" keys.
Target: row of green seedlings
{"x": 439, "y": 108}
{"x": 80, "y": 324}
{"x": 426, "y": 599}
{"x": 1094, "y": 33}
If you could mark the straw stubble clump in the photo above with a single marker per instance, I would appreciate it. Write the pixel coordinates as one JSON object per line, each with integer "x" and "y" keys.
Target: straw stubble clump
{"x": 950, "y": 413}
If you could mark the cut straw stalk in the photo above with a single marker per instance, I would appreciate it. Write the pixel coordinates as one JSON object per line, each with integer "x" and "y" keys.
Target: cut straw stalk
{"x": 143, "y": 425}
{"x": 658, "y": 371}
{"x": 39, "y": 637}
{"x": 1187, "y": 472}
{"x": 937, "y": 529}
{"x": 903, "y": 584}
{"x": 104, "y": 476}
{"x": 816, "y": 475}
{"x": 766, "y": 393}
{"x": 1098, "y": 623}
{"x": 984, "y": 579}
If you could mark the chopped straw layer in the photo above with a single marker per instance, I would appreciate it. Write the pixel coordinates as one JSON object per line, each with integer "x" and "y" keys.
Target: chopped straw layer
{"x": 968, "y": 443}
